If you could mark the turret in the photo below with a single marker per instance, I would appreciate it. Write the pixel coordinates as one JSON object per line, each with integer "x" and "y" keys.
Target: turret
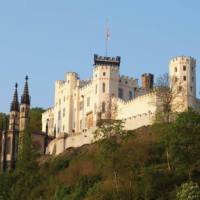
{"x": 24, "y": 111}
{"x": 147, "y": 81}
{"x": 10, "y": 136}
{"x": 182, "y": 72}
{"x": 14, "y": 111}
{"x": 106, "y": 79}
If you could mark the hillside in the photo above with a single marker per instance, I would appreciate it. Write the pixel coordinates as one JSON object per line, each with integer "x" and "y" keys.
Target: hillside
{"x": 149, "y": 163}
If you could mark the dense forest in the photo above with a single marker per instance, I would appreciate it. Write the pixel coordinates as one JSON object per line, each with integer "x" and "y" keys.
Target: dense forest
{"x": 161, "y": 162}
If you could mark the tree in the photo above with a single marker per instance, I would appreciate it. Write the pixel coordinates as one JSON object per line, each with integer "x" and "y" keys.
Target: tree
{"x": 188, "y": 191}
{"x": 168, "y": 92}
{"x": 36, "y": 119}
{"x": 184, "y": 140}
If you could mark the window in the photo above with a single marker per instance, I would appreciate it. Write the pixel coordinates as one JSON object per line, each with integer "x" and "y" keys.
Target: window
{"x": 192, "y": 68}
{"x": 103, "y": 107}
{"x": 96, "y": 87}
{"x": 130, "y": 94}
{"x": 59, "y": 115}
{"x": 104, "y": 73}
{"x": 191, "y": 88}
{"x": 59, "y": 101}
{"x": 64, "y": 112}
{"x": 104, "y": 87}
{"x": 88, "y": 101}
{"x": 63, "y": 128}
{"x": 184, "y": 78}
{"x": 81, "y": 105}
{"x": 184, "y": 68}
{"x": 192, "y": 79}
{"x": 80, "y": 124}
{"x": 175, "y": 69}
{"x": 180, "y": 88}
{"x": 64, "y": 99}
{"x": 121, "y": 93}
{"x": 126, "y": 82}
{"x": 176, "y": 79}
{"x": 8, "y": 145}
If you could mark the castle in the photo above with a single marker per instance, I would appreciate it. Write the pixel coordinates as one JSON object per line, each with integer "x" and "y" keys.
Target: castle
{"x": 79, "y": 104}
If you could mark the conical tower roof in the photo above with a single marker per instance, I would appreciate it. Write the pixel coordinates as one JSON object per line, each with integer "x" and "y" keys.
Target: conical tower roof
{"x": 15, "y": 103}
{"x": 25, "y": 97}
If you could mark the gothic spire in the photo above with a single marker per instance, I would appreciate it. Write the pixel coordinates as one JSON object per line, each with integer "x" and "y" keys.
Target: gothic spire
{"x": 25, "y": 97}
{"x": 15, "y": 102}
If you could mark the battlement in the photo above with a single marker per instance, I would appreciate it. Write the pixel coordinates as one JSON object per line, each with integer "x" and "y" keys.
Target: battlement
{"x": 104, "y": 60}
{"x": 128, "y": 80}
{"x": 132, "y": 101}
{"x": 183, "y": 58}
{"x": 85, "y": 84}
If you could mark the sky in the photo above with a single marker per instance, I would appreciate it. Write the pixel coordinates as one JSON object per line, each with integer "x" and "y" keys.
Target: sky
{"x": 44, "y": 39}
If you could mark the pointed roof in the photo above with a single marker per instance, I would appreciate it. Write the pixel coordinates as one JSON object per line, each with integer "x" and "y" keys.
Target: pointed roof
{"x": 15, "y": 103}
{"x": 25, "y": 97}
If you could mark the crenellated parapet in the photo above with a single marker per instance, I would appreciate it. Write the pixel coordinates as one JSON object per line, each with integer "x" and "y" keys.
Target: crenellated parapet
{"x": 186, "y": 59}
{"x": 126, "y": 80}
{"x": 104, "y": 60}
{"x": 85, "y": 83}
{"x": 136, "y": 99}
{"x": 86, "y": 86}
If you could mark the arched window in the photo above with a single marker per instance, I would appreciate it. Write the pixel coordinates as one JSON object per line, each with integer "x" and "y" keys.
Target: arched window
{"x": 103, "y": 107}
{"x": 104, "y": 87}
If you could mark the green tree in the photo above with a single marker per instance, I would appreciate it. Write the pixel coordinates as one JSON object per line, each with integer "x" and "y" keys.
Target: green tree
{"x": 36, "y": 119}
{"x": 108, "y": 128}
{"x": 183, "y": 140}
{"x": 188, "y": 191}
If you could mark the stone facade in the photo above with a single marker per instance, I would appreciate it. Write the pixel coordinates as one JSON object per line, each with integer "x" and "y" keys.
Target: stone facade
{"x": 78, "y": 104}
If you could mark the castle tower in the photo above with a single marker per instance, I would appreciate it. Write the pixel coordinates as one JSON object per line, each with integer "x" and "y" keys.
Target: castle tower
{"x": 182, "y": 72}
{"x": 24, "y": 112}
{"x": 106, "y": 79}
{"x": 147, "y": 81}
{"x": 10, "y": 137}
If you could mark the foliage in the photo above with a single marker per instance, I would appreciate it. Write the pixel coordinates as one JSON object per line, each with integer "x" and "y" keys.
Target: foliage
{"x": 122, "y": 166}
{"x": 36, "y": 119}
{"x": 188, "y": 191}
{"x": 108, "y": 128}
{"x": 3, "y": 120}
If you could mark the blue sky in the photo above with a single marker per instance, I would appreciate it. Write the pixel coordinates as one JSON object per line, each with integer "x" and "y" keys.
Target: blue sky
{"x": 46, "y": 38}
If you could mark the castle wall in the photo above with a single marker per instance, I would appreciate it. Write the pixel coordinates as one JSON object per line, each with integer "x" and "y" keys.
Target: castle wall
{"x": 137, "y": 112}
{"x": 80, "y": 103}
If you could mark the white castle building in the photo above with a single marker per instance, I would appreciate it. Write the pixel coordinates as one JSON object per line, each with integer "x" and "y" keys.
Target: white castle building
{"x": 79, "y": 104}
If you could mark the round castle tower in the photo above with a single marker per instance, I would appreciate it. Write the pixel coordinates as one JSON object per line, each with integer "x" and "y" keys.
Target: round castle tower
{"x": 182, "y": 71}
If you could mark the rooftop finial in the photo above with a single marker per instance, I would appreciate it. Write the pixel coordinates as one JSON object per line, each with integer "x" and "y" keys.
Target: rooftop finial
{"x": 25, "y": 97}
{"x": 15, "y": 102}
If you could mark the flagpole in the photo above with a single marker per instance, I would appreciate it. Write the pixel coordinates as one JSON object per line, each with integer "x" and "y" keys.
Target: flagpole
{"x": 107, "y": 35}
